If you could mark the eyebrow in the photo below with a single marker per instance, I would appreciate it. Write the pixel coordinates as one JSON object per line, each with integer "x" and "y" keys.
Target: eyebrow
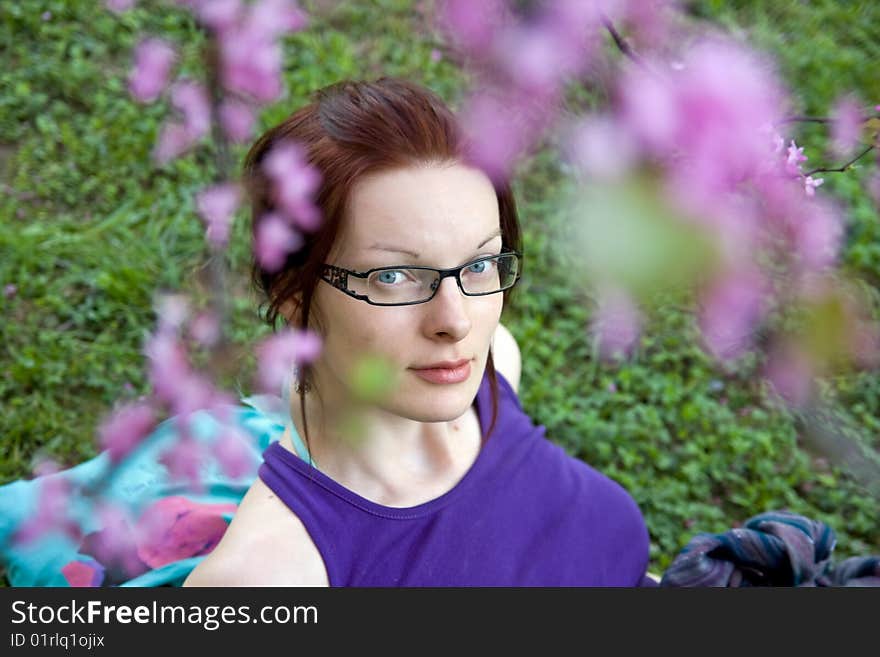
{"x": 394, "y": 249}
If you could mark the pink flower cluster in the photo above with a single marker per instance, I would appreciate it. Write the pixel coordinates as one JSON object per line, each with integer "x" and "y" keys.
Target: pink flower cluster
{"x": 294, "y": 183}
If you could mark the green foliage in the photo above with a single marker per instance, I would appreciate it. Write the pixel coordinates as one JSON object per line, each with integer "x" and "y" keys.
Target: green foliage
{"x": 91, "y": 229}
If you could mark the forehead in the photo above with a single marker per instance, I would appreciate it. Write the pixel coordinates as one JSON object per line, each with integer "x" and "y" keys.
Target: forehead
{"x": 439, "y": 211}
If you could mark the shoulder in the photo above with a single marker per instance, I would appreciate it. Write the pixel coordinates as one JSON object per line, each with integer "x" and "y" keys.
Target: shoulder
{"x": 506, "y": 355}
{"x": 264, "y": 545}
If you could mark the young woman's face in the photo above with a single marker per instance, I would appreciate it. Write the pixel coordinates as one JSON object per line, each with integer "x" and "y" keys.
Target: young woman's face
{"x": 445, "y": 216}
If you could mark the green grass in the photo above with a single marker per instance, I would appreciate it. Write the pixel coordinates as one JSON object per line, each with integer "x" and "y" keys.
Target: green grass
{"x": 91, "y": 230}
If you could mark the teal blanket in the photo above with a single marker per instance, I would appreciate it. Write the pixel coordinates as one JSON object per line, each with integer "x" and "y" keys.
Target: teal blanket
{"x": 185, "y": 525}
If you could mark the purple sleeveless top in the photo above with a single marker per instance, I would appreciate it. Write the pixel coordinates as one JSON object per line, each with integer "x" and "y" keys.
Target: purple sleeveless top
{"x": 525, "y": 514}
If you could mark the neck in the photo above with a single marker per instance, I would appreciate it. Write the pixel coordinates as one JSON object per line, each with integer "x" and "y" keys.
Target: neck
{"x": 382, "y": 456}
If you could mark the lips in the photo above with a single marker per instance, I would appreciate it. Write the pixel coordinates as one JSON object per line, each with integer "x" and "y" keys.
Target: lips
{"x": 459, "y": 372}
{"x": 445, "y": 365}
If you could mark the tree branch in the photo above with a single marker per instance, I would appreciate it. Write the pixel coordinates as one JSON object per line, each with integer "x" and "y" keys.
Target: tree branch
{"x": 620, "y": 42}
{"x": 843, "y": 167}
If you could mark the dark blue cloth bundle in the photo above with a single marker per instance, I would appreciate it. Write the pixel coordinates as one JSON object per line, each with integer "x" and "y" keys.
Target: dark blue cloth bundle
{"x": 777, "y": 548}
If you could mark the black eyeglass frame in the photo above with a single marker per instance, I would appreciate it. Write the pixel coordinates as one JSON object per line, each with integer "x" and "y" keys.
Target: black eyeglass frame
{"x": 338, "y": 278}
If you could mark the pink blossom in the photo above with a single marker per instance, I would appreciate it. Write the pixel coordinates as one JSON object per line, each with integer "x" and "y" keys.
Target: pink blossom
{"x": 616, "y": 324}
{"x": 810, "y": 185}
{"x": 280, "y": 353}
{"x": 536, "y": 59}
{"x": 295, "y": 183}
{"x": 274, "y": 18}
{"x": 219, "y": 15}
{"x": 237, "y": 120}
{"x": 874, "y": 188}
{"x": 251, "y": 64}
{"x": 53, "y": 502}
{"x": 125, "y": 429}
{"x": 10, "y": 290}
{"x": 795, "y": 157}
{"x": 436, "y": 55}
{"x": 600, "y": 148}
{"x": 176, "y": 528}
{"x": 168, "y": 365}
{"x": 731, "y": 310}
{"x": 500, "y": 128}
{"x": 217, "y": 206}
{"x": 184, "y": 461}
{"x": 816, "y": 234}
{"x": 205, "y": 328}
{"x": 275, "y": 239}
{"x": 846, "y": 125}
{"x": 114, "y": 544}
{"x": 233, "y": 454}
{"x": 191, "y": 100}
{"x": 172, "y": 311}
{"x": 153, "y": 59}
{"x": 471, "y": 25}
{"x": 119, "y": 6}
{"x": 174, "y": 140}
{"x": 709, "y": 113}
{"x": 791, "y": 373}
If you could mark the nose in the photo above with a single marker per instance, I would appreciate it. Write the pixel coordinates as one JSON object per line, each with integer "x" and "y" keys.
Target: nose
{"x": 448, "y": 311}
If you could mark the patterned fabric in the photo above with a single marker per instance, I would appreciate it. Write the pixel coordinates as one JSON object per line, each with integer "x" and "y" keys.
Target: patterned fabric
{"x": 777, "y": 548}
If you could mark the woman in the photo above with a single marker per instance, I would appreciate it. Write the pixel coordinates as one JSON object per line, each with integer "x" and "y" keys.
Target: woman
{"x": 447, "y": 482}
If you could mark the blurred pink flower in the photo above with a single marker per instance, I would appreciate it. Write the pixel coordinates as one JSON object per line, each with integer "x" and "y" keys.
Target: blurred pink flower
{"x": 233, "y": 454}
{"x": 616, "y": 324}
{"x": 600, "y": 148}
{"x": 216, "y": 206}
{"x": 125, "y": 429}
{"x": 119, "y": 6}
{"x": 191, "y": 100}
{"x": 113, "y": 545}
{"x": 731, "y": 310}
{"x": 10, "y": 290}
{"x": 536, "y": 59}
{"x": 51, "y": 515}
{"x": 275, "y": 239}
{"x": 471, "y": 25}
{"x": 817, "y": 232}
{"x": 153, "y": 59}
{"x": 794, "y": 159}
{"x": 846, "y": 125}
{"x": 184, "y": 461}
{"x": 810, "y": 185}
{"x": 205, "y": 328}
{"x": 172, "y": 311}
{"x": 273, "y": 18}
{"x": 250, "y": 63}
{"x": 219, "y": 15}
{"x": 174, "y": 140}
{"x": 500, "y": 128}
{"x": 436, "y": 55}
{"x": 791, "y": 374}
{"x": 168, "y": 365}
{"x": 237, "y": 120}
{"x": 280, "y": 353}
{"x": 874, "y": 188}
{"x": 295, "y": 183}
{"x": 710, "y": 113}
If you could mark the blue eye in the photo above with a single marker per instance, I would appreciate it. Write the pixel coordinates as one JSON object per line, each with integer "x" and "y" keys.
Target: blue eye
{"x": 390, "y": 273}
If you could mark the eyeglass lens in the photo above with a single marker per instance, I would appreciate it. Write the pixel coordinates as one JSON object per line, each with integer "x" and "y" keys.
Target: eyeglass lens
{"x": 403, "y": 285}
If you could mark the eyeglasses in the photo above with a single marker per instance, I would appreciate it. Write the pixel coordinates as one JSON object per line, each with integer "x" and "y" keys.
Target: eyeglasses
{"x": 404, "y": 286}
